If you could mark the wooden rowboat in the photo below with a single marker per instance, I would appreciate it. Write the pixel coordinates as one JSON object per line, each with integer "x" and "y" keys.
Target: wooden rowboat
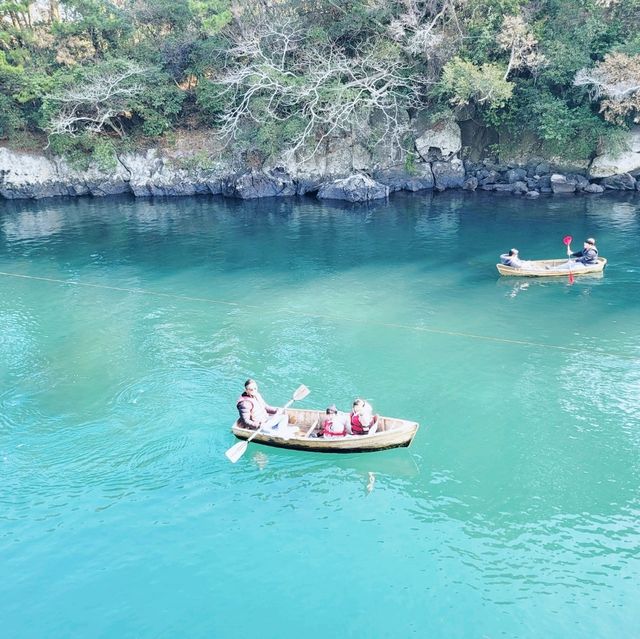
{"x": 549, "y": 268}
{"x": 390, "y": 433}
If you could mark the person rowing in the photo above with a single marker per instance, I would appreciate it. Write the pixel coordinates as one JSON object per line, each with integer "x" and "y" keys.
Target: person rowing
{"x": 256, "y": 414}
{"x": 588, "y": 254}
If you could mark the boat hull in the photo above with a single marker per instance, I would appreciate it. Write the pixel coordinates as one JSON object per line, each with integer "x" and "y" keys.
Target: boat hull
{"x": 548, "y": 268}
{"x": 391, "y": 433}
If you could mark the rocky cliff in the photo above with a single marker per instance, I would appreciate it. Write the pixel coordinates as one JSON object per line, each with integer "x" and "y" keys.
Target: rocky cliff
{"x": 439, "y": 156}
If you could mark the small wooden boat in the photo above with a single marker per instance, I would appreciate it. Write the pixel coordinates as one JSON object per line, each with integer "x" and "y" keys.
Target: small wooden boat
{"x": 550, "y": 268}
{"x": 389, "y": 433}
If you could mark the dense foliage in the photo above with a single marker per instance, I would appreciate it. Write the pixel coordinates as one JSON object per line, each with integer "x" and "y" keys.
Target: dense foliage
{"x": 90, "y": 75}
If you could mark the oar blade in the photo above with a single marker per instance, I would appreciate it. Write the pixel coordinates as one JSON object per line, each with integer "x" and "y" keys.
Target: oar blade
{"x": 236, "y": 451}
{"x": 300, "y": 393}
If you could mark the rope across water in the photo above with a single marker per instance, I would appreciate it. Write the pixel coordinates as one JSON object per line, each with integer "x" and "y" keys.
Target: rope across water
{"x": 333, "y": 318}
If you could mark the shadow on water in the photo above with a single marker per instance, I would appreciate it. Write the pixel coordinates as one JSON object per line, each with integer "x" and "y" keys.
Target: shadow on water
{"x": 431, "y": 229}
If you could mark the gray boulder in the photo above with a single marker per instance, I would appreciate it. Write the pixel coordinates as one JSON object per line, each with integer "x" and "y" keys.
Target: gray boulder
{"x": 355, "y": 188}
{"x": 544, "y": 182}
{"x": 255, "y": 184}
{"x": 399, "y": 179}
{"x": 515, "y": 175}
{"x": 609, "y": 165}
{"x": 543, "y": 169}
{"x": 448, "y": 175}
{"x": 470, "y": 184}
{"x": 622, "y": 182}
{"x": 593, "y": 188}
{"x": 560, "y": 184}
{"x": 533, "y": 194}
{"x": 581, "y": 181}
{"x": 519, "y": 188}
{"x": 440, "y": 141}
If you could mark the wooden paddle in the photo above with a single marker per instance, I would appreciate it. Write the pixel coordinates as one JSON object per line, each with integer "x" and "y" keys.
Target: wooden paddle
{"x": 313, "y": 427}
{"x": 238, "y": 450}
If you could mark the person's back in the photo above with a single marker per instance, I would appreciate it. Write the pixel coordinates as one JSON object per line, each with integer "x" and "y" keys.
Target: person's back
{"x": 334, "y": 423}
{"x": 361, "y": 417}
{"x": 512, "y": 259}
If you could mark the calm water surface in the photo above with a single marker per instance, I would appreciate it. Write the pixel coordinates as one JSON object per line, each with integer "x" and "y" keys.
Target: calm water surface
{"x": 514, "y": 513}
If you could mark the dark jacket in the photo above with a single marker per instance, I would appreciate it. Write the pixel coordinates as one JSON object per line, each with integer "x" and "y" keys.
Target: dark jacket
{"x": 254, "y": 411}
{"x": 587, "y": 256}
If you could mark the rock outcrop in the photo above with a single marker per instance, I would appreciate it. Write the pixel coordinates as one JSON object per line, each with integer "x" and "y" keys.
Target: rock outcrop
{"x": 442, "y": 141}
{"x": 607, "y": 165}
{"x": 343, "y": 167}
{"x": 355, "y": 188}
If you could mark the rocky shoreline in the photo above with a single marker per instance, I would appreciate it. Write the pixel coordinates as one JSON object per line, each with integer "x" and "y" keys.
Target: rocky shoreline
{"x": 344, "y": 170}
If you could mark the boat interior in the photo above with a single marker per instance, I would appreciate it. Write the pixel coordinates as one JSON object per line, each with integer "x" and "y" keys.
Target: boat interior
{"x": 309, "y": 421}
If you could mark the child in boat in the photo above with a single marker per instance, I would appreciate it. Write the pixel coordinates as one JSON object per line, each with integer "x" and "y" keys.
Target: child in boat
{"x": 361, "y": 419}
{"x": 334, "y": 424}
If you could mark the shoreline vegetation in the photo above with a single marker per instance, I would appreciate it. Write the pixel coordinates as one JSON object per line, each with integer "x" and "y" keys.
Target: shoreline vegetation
{"x": 350, "y": 100}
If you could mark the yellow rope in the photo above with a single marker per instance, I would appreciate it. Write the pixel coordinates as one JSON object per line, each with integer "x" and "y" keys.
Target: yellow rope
{"x": 335, "y": 318}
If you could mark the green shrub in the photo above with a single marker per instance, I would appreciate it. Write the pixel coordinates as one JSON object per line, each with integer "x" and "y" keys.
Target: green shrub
{"x": 159, "y": 103}
{"x": 211, "y": 98}
{"x": 11, "y": 118}
{"x": 104, "y": 154}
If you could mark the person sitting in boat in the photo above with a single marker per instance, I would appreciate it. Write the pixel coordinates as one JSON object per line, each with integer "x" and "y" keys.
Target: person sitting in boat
{"x": 361, "y": 419}
{"x": 588, "y": 254}
{"x": 256, "y": 413}
{"x": 512, "y": 259}
{"x": 334, "y": 424}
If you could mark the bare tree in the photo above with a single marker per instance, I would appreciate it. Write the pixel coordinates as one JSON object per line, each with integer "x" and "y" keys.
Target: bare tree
{"x": 54, "y": 11}
{"x": 274, "y": 75}
{"x": 429, "y": 29}
{"x": 616, "y": 82}
{"x": 516, "y": 38}
{"x": 97, "y": 103}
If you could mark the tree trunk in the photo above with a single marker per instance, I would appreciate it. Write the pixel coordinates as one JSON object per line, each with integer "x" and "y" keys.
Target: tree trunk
{"x": 54, "y": 11}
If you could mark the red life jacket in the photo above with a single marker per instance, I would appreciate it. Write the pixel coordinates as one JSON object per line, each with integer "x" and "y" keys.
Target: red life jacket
{"x": 327, "y": 431}
{"x": 356, "y": 426}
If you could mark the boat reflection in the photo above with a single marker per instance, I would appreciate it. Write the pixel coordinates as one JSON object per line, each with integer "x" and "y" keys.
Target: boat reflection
{"x": 515, "y": 286}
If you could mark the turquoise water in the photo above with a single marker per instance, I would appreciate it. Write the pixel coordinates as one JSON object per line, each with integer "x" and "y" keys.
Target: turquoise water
{"x": 513, "y": 514}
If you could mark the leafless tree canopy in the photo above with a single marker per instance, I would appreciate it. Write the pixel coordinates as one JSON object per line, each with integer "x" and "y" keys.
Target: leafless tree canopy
{"x": 516, "y": 38}
{"x": 616, "y": 82}
{"x": 271, "y": 76}
{"x": 99, "y": 102}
